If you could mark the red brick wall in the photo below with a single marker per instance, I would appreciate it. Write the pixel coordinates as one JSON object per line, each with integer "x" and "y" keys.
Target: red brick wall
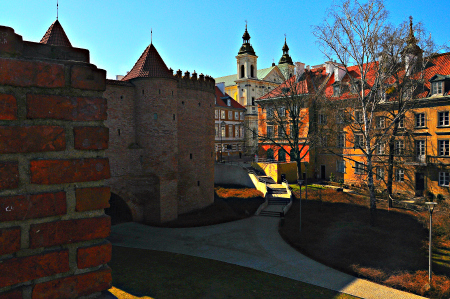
{"x": 52, "y": 172}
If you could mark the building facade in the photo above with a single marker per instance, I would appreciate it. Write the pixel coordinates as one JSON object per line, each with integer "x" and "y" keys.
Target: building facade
{"x": 250, "y": 83}
{"x": 229, "y": 126}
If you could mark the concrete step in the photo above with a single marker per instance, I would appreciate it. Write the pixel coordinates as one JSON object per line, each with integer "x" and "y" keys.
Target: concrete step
{"x": 271, "y": 214}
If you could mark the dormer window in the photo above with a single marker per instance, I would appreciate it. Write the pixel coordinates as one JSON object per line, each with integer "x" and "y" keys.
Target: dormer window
{"x": 437, "y": 87}
{"x": 336, "y": 90}
{"x": 229, "y": 102}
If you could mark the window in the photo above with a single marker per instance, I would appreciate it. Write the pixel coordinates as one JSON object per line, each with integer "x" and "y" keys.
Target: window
{"x": 222, "y": 114}
{"x": 236, "y": 115}
{"x": 381, "y": 148}
{"x": 281, "y": 112}
{"x": 322, "y": 119}
{"x": 420, "y": 120}
{"x": 444, "y": 148}
{"x": 380, "y": 122}
{"x": 401, "y": 122}
{"x": 251, "y": 71}
{"x": 436, "y": 87}
{"x": 341, "y": 140}
{"x": 444, "y": 178}
{"x": 253, "y": 101}
{"x": 340, "y": 166}
{"x": 399, "y": 147}
{"x": 340, "y": 117}
{"x": 230, "y": 115}
{"x": 336, "y": 90}
{"x": 230, "y": 131}
{"x": 359, "y": 168}
{"x": 269, "y": 131}
{"x": 280, "y": 131}
{"x": 420, "y": 150}
{"x": 399, "y": 175}
{"x": 269, "y": 112}
{"x": 443, "y": 119}
{"x": 242, "y": 71}
{"x": 236, "y": 131}
{"x": 358, "y": 116}
{"x": 217, "y": 130}
{"x": 281, "y": 155}
{"x": 242, "y": 115}
{"x": 223, "y": 131}
{"x": 269, "y": 154}
{"x": 380, "y": 173}
{"x": 241, "y": 132}
{"x": 216, "y": 115}
{"x": 359, "y": 141}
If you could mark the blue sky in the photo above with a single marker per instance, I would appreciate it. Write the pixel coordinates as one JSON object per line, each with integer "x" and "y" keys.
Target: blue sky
{"x": 204, "y": 36}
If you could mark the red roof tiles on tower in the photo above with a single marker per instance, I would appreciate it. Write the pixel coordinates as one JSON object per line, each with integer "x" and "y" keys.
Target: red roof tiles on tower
{"x": 149, "y": 65}
{"x": 56, "y": 36}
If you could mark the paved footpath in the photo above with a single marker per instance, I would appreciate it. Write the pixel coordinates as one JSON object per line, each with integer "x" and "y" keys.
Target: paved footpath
{"x": 253, "y": 242}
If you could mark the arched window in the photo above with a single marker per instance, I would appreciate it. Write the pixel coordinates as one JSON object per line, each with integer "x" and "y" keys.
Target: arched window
{"x": 292, "y": 155}
{"x": 251, "y": 71}
{"x": 281, "y": 155}
{"x": 242, "y": 71}
{"x": 269, "y": 154}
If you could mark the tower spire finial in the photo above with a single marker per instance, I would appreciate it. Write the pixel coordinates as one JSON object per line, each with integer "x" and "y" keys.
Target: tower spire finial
{"x": 57, "y": 9}
{"x": 245, "y": 24}
{"x": 151, "y": 35}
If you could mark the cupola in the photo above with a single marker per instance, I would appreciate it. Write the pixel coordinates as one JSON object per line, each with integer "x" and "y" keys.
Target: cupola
{"x": 286, "y": 58}
{"x": 246, "y": 47}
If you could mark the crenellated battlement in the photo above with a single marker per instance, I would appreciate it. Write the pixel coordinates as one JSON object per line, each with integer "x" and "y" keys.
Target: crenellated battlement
{"x": 194, "y": 81}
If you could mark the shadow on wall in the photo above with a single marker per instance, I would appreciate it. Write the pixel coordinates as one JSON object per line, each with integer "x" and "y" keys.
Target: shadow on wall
{"x": 118, "y": 210}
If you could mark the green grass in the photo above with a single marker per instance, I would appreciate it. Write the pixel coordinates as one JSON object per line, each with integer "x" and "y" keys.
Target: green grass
{"x": 162, "y": 275}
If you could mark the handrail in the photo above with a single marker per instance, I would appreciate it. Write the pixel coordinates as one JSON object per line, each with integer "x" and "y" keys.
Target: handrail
{"x": 289, "y": 192}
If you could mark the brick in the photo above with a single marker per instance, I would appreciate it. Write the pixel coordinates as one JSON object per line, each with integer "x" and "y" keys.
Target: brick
{"x": 31, "y": 73}
{"x": 94, "y": 256}
{"x": 74, "y": 286}
{"x": 92, "y": 198}
{"x": 17, "y": 294}
{"x": 17, "y": 139}
{"x": 69, "y": 231}
{"x": 66, "y": 108}
{"x": 9, "y": 240}
{"x": 12, "y": 271}
{"x": 9, "y": 41}
{"x": 88, "y": 77}
{"x": 9, "y": 175}
{"x": 48, "y": 172}
{"x": 8, "y": 107}
{"x": 91, "y": 138}
{"x": 23, "y": 207}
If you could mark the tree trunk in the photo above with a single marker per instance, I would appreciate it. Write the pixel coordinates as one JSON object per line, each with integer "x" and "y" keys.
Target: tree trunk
{"x": 390, "y": 161}
{"x": 373, "y": 204}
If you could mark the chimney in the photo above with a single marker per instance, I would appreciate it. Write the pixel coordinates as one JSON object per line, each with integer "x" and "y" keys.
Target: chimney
{"x": 339, "y": 72}
{"x": 119, "y": 77}
{"x": 221, "y": 86}
{"x": 329, "y": 67}
{"x": 299, "y": 69}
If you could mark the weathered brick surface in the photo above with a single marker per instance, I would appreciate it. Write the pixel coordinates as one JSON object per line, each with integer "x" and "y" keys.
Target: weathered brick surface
{"x": 32, "y": 206}
{"x": 66, "y": 108}
{"x": 9, "y": 175}
{"x": 12, "y": 271}
{"x": 88, "y": 77}
{"x": 74, "y": 286}
{"x": 17, "y": 294}
{"x": 8, "y": 107}
{"x": 92, "y": 198}
{"x": 9, "y": 240}
{"x": 91, "y": 138}
{"x": 9, "y": 41}
{"x": 31, "y": 73}
{"x": 69, "y": 231}
{"x": 68, "y": 171}
{"x": 94, "y": 256}
{"x": 15, "y": 139}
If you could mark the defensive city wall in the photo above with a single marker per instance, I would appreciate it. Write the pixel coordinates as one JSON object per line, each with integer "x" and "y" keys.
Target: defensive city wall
{"x": 53, "y": 172}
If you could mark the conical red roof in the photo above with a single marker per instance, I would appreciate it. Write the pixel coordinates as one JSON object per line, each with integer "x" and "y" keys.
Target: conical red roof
{"x": 149, "y": 65}
{"x": 56, "y": 36}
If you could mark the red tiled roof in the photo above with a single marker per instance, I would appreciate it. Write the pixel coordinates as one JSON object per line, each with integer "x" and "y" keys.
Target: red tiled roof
{"x": 149, "y": 65}
{"x": 56, "y": 36}
{"x": 220, "y": 102}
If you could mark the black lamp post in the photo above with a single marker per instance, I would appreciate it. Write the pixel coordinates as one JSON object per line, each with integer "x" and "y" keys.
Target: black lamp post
{"x": 222, "y": 125}
{"x": 300, "y": 183}
{"x": 430, "y": 206}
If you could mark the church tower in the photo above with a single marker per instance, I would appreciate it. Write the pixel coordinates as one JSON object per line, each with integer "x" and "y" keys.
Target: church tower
{"x": 285, "y": 64}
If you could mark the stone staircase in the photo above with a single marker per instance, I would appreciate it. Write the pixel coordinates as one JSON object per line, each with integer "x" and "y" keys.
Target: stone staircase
{"x": 278, "y": 196}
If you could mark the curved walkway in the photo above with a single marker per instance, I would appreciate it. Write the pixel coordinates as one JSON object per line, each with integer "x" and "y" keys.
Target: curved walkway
{"x": 253, "y": 242}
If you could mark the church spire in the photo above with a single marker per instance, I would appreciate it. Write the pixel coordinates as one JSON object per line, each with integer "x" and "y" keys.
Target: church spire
{"x": 285, "y": 58}
{"x": 412, "y": 47}
{"x": 56, "y": 36}
{"x": 246, "y": 47}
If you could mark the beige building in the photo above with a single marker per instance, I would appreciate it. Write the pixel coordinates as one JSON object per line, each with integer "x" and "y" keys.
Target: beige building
{"x": 250, "y": 83}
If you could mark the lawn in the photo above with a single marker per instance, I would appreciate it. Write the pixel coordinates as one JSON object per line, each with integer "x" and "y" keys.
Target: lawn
{"x": 230, "y": 203}
{"x": 154, "y": 274}
{"x": 336, "y": 232}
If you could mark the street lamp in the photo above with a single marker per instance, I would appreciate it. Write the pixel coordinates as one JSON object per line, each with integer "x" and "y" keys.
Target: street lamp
{"x": 430, "y": 206}
{"x": 300, "y": 183}
{"x": 222, "y": 125}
